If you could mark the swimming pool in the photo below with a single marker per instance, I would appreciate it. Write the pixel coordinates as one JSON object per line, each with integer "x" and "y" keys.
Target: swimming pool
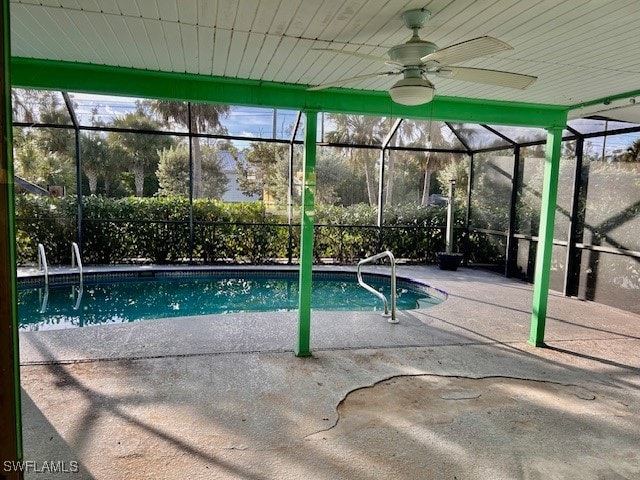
{"x": 175, "y": 294}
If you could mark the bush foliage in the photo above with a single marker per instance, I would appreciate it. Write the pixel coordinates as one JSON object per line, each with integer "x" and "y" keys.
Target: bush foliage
{"x": 157, "y": 230}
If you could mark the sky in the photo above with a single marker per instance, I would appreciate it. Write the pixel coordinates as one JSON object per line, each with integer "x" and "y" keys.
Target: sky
{"x": 243, "y": 121}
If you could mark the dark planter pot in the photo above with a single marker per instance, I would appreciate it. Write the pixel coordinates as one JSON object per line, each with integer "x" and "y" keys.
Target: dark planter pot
{"x": 449, "y": 261}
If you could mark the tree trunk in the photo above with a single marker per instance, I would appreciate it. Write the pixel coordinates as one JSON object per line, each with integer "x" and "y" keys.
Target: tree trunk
{"x": 371, "y": 190}
{"x": 197, "y": 168}
{"x": 425, "y": 187}
{"x": 389, "y": 173}
{"x": 93, "y": 181}
{"x": 138, "y": 178}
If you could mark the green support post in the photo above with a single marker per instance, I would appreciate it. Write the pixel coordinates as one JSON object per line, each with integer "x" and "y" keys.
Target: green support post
{"x": 306, "y": 236}
{"x": 10, "y": 415}
{"x": 545, "y": 236}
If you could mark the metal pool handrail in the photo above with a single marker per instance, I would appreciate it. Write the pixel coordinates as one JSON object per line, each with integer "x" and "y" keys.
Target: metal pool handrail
{"x": 42, "y": 263}
{"x": 362, "y": 283}
{"x": 75, "y": 260}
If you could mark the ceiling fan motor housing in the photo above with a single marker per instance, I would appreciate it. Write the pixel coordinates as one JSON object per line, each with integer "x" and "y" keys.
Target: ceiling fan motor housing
{"x": 411, "y": 52}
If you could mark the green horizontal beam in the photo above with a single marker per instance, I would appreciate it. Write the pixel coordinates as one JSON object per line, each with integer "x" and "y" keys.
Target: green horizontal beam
{"x": 82, "y": 77}
{"x": 605, "y": 100}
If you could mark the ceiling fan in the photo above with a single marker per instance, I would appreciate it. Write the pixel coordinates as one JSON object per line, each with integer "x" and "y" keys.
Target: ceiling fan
{"x": 417, "y": 59}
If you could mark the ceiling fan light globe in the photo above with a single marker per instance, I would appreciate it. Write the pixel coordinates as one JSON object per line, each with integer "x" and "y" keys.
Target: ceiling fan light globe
{"x": 412, "y": 91}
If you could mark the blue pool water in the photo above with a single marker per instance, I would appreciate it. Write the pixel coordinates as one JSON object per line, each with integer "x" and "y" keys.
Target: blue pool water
{"x": 136, "y": 299}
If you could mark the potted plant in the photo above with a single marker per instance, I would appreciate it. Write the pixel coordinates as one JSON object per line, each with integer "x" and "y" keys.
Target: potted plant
{"x": 449, "y": 261}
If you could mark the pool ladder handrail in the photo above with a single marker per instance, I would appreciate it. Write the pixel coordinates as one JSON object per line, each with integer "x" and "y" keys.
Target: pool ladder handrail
{"x": 44, "y": 266}
{"x": 77, "y": 261}
{"x": 378, "y": 294}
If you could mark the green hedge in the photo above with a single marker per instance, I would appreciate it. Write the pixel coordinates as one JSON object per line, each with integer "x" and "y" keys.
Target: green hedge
{"x": 157, "y": 230}
{"x": 49, "y": 221}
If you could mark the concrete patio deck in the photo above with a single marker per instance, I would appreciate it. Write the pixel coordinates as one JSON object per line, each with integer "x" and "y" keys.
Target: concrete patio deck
{"x": 450, "y": 392}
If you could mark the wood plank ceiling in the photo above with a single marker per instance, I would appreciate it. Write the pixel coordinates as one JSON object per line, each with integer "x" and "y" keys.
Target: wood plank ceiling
{"x": 579, "y": 50}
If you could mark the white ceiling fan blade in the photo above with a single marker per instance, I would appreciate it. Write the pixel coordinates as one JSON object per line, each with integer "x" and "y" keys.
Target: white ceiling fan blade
{"x": 461, "y": 52}
{"x": 352, "y": 79}
{"x": 490, "y": 77}
{"x": 354, "y": 54}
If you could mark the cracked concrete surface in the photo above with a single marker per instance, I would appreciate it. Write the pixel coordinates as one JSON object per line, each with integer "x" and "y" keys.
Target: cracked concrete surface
{"x": 452, "y": 392}
{"x": 447, "y": 427}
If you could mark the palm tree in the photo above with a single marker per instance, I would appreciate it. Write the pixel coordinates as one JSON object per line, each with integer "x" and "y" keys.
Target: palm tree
{"x": 429, "y": 162}
{"x": 204, "y": 118}
{"x": 96, "y": 156}
{"x": 139, "y": 151}
{"x": 31, "y": 106}
{"x": 360, "y": 130}
{"x": 28, "y": 158}
{"x": 632, "y": 153}
{"x": 21, "y": 109}
{"x": 99, "y": 157}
